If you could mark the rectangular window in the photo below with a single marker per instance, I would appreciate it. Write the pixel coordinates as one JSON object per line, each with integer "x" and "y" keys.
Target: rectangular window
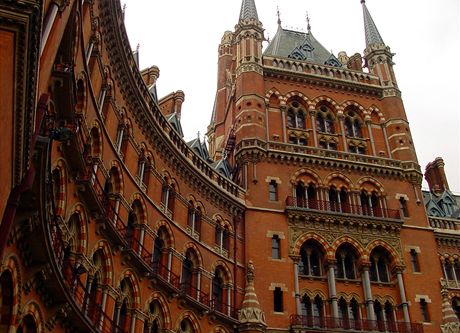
{"x": 424, "y": 310}
{"x": 403, "y": 207}
{"x": 276, "y": 251}
{"x": 273, "y": 191}
{"x": 278, "y": 300}
{"x": 414, "y": 261}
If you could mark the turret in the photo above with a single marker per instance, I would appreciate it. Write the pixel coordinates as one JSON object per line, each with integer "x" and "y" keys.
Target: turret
{"x": 240, "y": 85}
{"x": 249, "y": 94}
{"x": 378, "y": 56}
{"x": 379, "y": 60}
{"x": 216, "y": 129}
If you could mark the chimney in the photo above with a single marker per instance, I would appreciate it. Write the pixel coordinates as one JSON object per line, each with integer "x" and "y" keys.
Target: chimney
{"x": 355, "y": 62}
{"x": 436, "y": 177}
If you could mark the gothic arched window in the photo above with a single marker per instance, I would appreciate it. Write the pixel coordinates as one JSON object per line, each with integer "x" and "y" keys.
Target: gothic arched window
{"x": 311, "y": 259}
{"x": 379, "y": 270}
{"x": 325, "y": 120}
{"x": 346, "y": 262}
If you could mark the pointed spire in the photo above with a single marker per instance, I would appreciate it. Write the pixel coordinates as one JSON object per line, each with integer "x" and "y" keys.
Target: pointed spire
{"x": 279, "y": 15}
{"x": 248, "y": 10}
{"x": 372, "y": 33}
{"x": 251, "y": 314}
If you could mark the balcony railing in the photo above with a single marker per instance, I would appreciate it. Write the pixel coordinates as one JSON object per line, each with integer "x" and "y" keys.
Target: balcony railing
{"x": 191, "y": 291}
{"x": 345, "y": 208}
{"x": 88, "y": 306}
{"x": 166, "y": 275}
{"x": 361, "y": 325}
{"x": 221, "y": 308}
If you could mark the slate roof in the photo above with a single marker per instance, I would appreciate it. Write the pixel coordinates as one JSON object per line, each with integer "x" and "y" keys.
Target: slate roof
{"x": 248, "y": 10}
{"x": 301, "y": 46}
{"x": 372, "y": 33}
{"x": 446, "y": 204}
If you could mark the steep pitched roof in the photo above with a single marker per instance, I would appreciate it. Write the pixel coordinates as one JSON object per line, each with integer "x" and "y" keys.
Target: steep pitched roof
{"x": 248, "y": 10}
{"x": 300, "y": 46}
{"x": 445, "y": 205}
{"x": 372, "y": 33}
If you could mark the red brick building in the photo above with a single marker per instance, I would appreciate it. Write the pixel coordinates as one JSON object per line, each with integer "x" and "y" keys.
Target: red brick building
{"x": 111, "y": 222}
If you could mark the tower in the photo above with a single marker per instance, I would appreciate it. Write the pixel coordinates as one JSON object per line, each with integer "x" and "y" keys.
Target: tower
{"x": 323, "y": 149}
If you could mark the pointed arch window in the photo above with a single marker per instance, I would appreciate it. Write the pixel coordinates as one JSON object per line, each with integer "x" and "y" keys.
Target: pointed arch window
{"x": 325, "y": 120}
{"x": 194, "y": 219}
{"x": 189, "y": 275}
{"x": 28, "y": 325}
{"x": 346, "y": 263}
{"x": 370, "y": 204}
{"x": 353, "y": 125}
{"x": 296, "y": 115}
{"x": 168, "y": 196}
{"x": 306, "y": 196}
{"x": 222, "y": 238}
{"x": 311, "y": 260}
{"x": 379, "y": 270}
{"x": 218, "y": 292}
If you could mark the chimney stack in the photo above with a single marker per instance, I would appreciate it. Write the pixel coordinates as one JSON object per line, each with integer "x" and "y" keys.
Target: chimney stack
{"x": 436, "y": 177}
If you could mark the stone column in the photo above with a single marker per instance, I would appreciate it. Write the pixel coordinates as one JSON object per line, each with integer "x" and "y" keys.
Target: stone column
{"x": 283, "y": 119}
{"x": 332, "y": 288}
{"x": 371, "y": 135}
{"x": 133, "y": 321}
{"x": 402, "y": 293}
{"x": 367, "y": 290}
{"x": 141, "y": 239}
{"x": 296, "y": 259}
{"x": 385, "y": 137}
{"x": 341, "y": 117}
{"x": 313, "y": 126}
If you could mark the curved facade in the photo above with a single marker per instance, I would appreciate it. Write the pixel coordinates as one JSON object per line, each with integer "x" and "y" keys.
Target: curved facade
{"x": 113, "y": 223}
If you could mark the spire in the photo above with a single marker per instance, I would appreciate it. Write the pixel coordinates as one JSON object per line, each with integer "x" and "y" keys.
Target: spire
{"x": 279, "y": 16}
{"x": 372, "y": 33}
{"x": 251, "y": 316}
{"x": 248, "y": 10}
{"x": 308, "y": 23}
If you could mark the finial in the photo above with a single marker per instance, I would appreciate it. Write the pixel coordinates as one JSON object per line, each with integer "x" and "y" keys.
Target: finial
{"x": 363, "y": 1}
{"x": 308, "y": 23}
{"x": 278, "y": 14}
{"x": 138, "y": 46}
{"x": 198, "y": 135}
{"x": 250, "y": 272}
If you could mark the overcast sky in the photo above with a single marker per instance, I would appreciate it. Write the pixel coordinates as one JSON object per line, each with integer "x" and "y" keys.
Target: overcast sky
{"x": 181, "y": 37}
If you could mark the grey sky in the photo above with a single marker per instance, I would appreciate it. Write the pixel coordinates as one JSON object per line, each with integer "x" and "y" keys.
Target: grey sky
{"x": 181, "y": 37}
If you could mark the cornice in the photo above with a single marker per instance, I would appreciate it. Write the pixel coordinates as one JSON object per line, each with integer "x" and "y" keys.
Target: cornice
{"x": 328, "y": 82}
{"x": 170, "y": 146}
{"x": 290, "y": 154}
